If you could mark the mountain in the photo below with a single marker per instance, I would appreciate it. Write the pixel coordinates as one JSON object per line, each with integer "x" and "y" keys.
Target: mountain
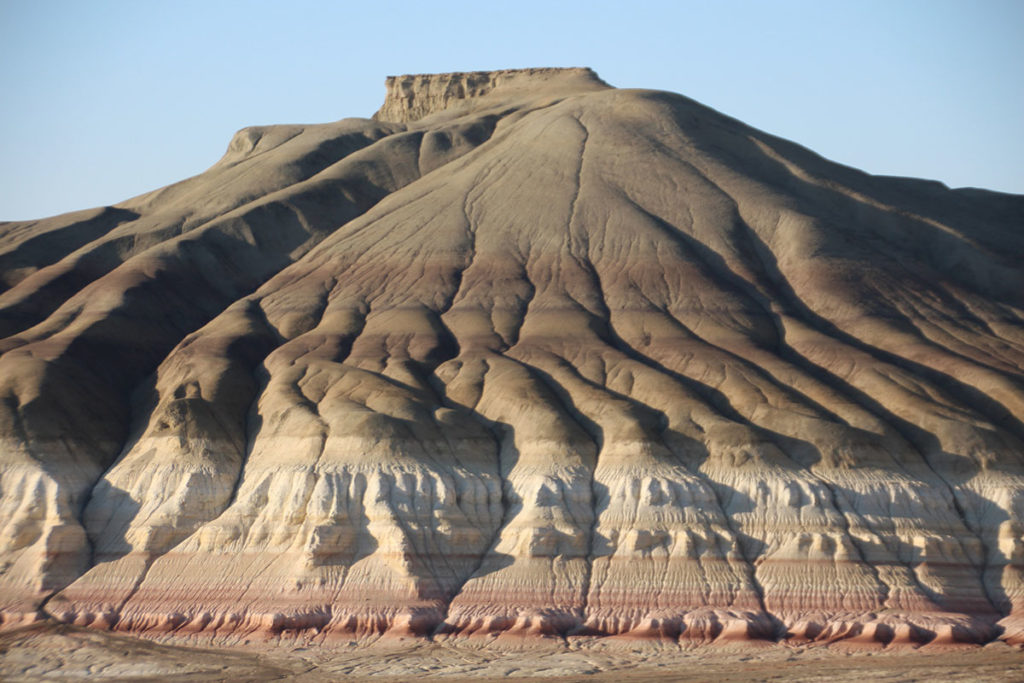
{"x": 523, "y": 354}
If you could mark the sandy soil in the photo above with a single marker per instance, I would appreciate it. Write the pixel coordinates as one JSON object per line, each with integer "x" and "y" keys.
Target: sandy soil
{"x": 46, "y": 651}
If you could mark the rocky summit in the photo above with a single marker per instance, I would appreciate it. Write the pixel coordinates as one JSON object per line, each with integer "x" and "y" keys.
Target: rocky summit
{"x": 524, "y": 355}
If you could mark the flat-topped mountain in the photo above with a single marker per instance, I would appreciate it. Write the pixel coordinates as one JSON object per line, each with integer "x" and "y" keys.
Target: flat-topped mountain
{"x": 524, "y": 354}
{"x": 410, "y": 98}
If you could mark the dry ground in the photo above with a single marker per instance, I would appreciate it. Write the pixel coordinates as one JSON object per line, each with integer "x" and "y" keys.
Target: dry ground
{"x": 46, "y": 651}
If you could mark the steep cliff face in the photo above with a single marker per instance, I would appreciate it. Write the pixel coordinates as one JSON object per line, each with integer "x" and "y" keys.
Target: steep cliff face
{"x": 581, "y": 361}
{"x": 410, "y": 98}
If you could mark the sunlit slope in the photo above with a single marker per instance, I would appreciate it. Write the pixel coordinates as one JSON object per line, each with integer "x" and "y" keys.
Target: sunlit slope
{"x": 538, "y": 357}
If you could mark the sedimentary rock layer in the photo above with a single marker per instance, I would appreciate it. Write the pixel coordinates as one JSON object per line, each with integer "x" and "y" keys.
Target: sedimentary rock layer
{"x": 523, "y": 355}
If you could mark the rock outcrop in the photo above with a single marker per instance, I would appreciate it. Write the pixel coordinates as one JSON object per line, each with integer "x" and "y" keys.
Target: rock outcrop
{"x": 410, "y": 98}
{"x": 523, "y": 355}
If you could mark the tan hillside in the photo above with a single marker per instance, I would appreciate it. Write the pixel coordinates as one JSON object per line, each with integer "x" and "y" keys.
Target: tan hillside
{"x": 524, "y": 354}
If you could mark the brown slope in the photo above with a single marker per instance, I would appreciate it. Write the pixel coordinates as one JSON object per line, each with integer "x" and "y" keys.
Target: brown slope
{"x": 629, "y": 367}
{"x": 68, "y": 381}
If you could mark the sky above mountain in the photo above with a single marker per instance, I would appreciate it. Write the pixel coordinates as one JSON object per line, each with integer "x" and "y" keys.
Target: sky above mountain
{"x": 109, "y": 99}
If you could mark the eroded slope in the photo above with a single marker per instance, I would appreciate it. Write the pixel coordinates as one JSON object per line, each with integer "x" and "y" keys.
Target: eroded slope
{"x": 595, "y": 361}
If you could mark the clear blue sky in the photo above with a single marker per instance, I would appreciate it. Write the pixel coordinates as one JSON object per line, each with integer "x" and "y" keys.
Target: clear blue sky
{"x": 103, "y": 99}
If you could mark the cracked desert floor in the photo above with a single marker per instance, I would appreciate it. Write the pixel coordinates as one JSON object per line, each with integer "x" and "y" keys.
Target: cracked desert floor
{"x": 44, "y": 652}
